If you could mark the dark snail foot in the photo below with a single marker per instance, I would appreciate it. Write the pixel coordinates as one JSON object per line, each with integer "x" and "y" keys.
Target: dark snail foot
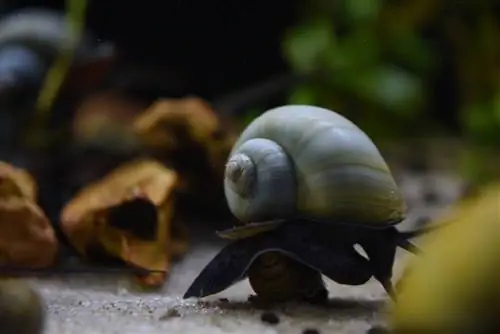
{"x": 380, "y": 247}
{"x": 327, "y": 248}
{"x": 342, "y": 264}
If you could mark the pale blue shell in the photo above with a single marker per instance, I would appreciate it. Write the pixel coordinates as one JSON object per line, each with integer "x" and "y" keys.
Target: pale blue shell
{"x": 312, "y": 162}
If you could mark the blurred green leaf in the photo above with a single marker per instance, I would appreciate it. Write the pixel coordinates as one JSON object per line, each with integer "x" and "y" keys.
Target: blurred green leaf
{"x": 361, "y": 49}
{"x": 476, "y": 120}
{"x": 475, "y": 165}
{"x": 480, "y": 123}
{"x": 496, "y": 107}
{"x": 412, "y": 51}
{"x": 393, "y": 89}
{"x": 394, "y": 81}
{"x": 250, "y": 115}
{"x": 361, "y": 11}
{"x": 306, "y": 45}
{"x": 304, "y": 95}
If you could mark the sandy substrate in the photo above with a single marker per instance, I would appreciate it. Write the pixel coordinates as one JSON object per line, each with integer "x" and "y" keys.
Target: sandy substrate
{"x": 107, "y": 305}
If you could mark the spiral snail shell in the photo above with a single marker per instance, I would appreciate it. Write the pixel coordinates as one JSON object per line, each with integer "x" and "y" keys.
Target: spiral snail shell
{"x": 310, "y": 162}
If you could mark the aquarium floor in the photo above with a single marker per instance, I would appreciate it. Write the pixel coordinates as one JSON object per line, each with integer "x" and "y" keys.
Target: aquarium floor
{"x": 107, "y": 305}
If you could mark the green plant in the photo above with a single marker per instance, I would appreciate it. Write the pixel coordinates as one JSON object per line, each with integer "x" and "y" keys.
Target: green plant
{"x": 378, "y": 62}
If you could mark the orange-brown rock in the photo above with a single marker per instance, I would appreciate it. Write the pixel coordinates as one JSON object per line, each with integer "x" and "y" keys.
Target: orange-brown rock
{"x": 128, "y": 214}
{"x": 27, "y": 238}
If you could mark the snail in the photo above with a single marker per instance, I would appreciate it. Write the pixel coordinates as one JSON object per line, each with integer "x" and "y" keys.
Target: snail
{"x": 308, "y": 185}
{"x": 453, "y": 286}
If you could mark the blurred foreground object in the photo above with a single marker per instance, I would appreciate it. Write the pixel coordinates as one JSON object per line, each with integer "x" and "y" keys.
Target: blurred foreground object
{"x": 127, "y": 215}
{"x": 453, "y": 287}
{"x": 26, "y": 235}
{"x": 22, "y": 310}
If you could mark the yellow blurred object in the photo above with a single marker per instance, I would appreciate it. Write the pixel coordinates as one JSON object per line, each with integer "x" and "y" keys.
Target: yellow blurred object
{"x": 75, "y": 13}
{"x": 453, "y": 286}
{"x": 86, "y": 219}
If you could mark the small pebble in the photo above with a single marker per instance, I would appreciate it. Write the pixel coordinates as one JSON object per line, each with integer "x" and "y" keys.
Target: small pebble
{"x": 270, "y": 318}
{"x": 310, "y": 331}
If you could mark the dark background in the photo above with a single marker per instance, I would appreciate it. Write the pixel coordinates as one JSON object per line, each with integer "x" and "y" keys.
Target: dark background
{"x": 211, "y": 47}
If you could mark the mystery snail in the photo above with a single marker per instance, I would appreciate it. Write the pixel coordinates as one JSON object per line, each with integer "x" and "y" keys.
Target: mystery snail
{"x": 308, "y": 185}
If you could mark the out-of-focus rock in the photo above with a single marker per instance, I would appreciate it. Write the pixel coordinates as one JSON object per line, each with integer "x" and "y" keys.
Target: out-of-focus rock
{"x": 22, "y": 310}
{"x": 190, "y": 136}
{"x": 27, "y": 238}
{"x": 127, "y": 215}
{"x": 105, "y": 120}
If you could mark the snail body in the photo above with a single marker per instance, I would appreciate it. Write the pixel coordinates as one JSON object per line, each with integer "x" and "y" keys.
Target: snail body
{"x": 308, "y": 183}
{"x": 276, "y": 278}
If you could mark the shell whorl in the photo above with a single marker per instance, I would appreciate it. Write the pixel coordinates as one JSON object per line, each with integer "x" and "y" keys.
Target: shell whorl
{"x": 241, "y": 173}
{"x": 335, "y": 172}
{"x": 259, "y": 181}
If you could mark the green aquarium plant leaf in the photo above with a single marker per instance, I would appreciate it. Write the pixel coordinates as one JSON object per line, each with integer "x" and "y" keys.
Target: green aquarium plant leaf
{"x": 306, "y": 44}
{"x": 305, "y": 94}
{"x": 362, "y": 11}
